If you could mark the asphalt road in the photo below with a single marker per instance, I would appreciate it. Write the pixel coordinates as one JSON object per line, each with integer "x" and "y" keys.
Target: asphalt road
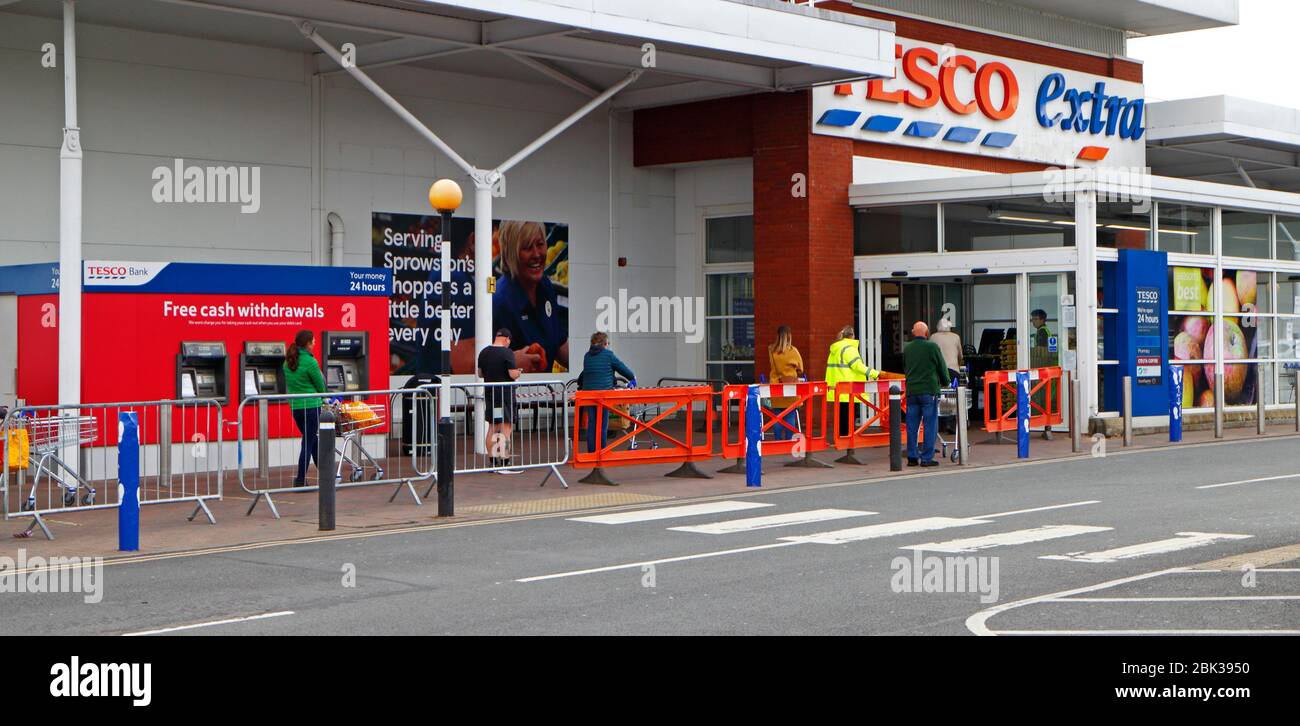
{"x": 822, "y": 560}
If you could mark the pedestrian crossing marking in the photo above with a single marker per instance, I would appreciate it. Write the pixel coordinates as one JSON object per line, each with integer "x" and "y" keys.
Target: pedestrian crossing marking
{"x": 686, "y": 510}
{"x": 888, "y": 529}
{"x": 772, "y": 520}
{"x": 1018, "y": 537}
{"x": 1183, "y": 541}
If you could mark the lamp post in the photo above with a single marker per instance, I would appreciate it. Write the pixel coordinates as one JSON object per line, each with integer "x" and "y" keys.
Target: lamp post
{"x": 445, "y": 197}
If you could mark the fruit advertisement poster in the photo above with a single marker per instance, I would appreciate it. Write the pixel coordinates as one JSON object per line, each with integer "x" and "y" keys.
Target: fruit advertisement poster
{"x": 1194, "y": 335}
{"x": 530, "y": 268}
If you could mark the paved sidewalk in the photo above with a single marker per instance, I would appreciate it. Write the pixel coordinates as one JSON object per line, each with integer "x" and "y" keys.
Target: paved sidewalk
{"x": 480, "y": 497}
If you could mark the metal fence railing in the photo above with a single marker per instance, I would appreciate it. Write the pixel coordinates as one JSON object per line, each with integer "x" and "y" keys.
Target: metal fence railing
{"x": 509, "y": 427}
{"x": 60, "y": 459}
{"x": 384, "y": 438}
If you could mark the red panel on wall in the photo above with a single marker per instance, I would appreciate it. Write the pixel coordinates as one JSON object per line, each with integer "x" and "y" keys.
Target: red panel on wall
{"x": 38, "y": 349}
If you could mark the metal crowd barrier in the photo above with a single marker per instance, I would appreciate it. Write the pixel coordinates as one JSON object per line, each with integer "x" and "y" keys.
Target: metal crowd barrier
{"x": 527, "y": 426}
{"x": 384, "y": 437}
{"x": 62, "y": 459}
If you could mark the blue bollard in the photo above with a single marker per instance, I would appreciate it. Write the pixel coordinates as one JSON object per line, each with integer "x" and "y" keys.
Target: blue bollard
{"x": 128, "y": 482}
{"x": 1022, "y": 414}
{"x": 1175, "y": 403}
{"x": 753, "y": 439}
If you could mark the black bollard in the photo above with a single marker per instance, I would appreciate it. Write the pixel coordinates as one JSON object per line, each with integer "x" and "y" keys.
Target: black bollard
{"x": 446, "y": 468}
{"x": 325, "y": 469}
{"x": 895, "y": 428}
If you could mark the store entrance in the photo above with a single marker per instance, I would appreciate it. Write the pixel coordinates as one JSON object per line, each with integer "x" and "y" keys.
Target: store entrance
{"x": 1005, "y": 322}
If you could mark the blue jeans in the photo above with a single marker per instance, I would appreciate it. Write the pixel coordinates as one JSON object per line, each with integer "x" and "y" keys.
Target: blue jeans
{"x": 596, "y": 433}
{"x": 779, "y": 431}
{"x": 922, "y": 409}
{"x": 308, "y": 422}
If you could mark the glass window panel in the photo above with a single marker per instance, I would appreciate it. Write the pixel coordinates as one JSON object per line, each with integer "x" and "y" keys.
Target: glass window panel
{"x": 1288, "y": 338}
{"x": 732, "y": 373}
{"x": 731, "y": 340}
{"x": 1123, "y": 225}
{"x": 1190, "y": 289}
{"x": 1258, "y": 336}
{"x": 729, "y": 239}
{"x": 1245, "y": 234}
{"x": 1288, "y": 293}
{"x": 1006, "y": 224}
{"x": 1106, "y": 374}
{"x": 1185, "y": 228}
{"x": 730, "y": 294}
{"x": 896, "y": 229}
{"x": 1288, "y": 238}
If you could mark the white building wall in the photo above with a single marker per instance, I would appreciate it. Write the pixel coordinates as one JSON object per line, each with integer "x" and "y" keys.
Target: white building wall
{"x": 146, "y": 99}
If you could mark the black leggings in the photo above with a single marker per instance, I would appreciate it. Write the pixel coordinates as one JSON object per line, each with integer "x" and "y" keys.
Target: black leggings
{"x": 308, "y": 422}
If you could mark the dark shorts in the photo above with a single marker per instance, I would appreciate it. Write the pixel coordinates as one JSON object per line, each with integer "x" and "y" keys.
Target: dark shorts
{"x": 501, "y": 406}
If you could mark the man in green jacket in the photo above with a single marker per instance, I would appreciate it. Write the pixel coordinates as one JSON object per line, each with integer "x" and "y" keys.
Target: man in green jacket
{"x": 927, "y": 374}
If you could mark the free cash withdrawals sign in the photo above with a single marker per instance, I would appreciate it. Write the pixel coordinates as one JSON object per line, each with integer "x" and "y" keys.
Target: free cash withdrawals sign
{"x": 532, "y": 302}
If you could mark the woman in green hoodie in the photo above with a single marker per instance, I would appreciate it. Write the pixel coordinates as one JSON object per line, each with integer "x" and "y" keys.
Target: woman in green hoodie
{"x": 302, "y": 375}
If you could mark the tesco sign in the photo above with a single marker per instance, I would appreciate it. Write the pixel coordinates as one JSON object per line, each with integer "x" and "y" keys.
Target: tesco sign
{"x": 974, "y": 103}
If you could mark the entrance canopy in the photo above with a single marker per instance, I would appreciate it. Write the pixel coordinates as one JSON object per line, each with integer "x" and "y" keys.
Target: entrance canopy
{"x": 701, "y": 48}
{"x": 1226, "y": 139}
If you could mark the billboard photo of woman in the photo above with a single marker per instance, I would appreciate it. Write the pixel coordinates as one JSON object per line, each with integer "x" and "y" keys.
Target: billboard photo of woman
{"x": 531, "y": 297}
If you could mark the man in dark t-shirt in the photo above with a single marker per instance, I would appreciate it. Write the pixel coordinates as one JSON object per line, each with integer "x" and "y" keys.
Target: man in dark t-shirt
{"x": 496, "y": 365}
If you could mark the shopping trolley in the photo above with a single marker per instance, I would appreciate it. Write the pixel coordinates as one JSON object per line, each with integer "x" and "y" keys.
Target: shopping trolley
{"x": 948, "y": 402}
{"x": 47, "y": 436}
{"x": 642, "y": 412}
{"x": 354, "y": 418}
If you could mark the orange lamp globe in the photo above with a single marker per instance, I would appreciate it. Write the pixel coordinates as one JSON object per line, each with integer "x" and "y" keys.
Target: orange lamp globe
{"x": 445, "y": 195}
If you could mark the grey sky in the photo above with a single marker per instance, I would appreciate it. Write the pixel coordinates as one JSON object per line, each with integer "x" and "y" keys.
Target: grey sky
{"x": 1253, "y": 60}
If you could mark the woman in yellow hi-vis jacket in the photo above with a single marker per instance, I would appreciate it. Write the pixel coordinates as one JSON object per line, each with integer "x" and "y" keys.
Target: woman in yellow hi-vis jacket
{"x": 844, "y": 363}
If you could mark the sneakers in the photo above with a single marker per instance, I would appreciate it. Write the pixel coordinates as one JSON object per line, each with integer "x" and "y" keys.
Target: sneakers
{"x": 912, "y": 462}
{"x": 930, "y": 463}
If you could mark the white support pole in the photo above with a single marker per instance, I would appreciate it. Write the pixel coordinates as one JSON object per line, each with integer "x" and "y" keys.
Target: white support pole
{"x": 70, "y": 223}
{"x": 309, "y": 31}
{"x": 482, "y": 294}
{"x": 572, "y": 119}
{"x": 1085, "y": 300}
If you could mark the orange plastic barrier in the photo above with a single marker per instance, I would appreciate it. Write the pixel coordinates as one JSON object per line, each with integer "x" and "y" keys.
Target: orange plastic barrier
{"x": 1000, "y": 398}
{"x": 809, "y": 403}
{"x": 874, "y": 429}
{"x": 644, "y": 410}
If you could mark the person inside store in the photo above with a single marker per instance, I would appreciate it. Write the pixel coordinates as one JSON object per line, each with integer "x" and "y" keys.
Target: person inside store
{"x": 927, "y": 374}
{"x": 598, "y": 368}
{"x": 1038, "y": 322}
{"x": 302, "y": 375}
{"x": 785, "y": 365}
{"x": 844, "y": 365}
{"x": 496, "y": 364}
{"x": 527, "y": 302}
{"x": 949, "y": 343}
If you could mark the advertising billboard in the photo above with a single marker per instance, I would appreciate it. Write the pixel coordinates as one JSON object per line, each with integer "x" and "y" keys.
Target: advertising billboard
{"x": 530, "y": 264}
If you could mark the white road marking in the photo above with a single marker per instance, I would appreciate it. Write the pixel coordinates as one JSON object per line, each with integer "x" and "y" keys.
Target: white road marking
{"x": 685, "y": 510}
{"x": 1146, "y": 632}
{"x": 1020, "y": 536}
{"x": 1184, "y": 541}
{"x": 772, "y": 520}
{"x": 1038, "y": 509}
{"x": 1249, "y": 481}
{"x": 263, "y": 616}
{"x": 1189, "y": 598}
{"x": 647, "y": 563}
{"x": 888, "y": 529}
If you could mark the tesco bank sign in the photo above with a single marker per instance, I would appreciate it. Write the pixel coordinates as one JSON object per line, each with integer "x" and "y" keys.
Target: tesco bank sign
{"x": 954, "y": 100}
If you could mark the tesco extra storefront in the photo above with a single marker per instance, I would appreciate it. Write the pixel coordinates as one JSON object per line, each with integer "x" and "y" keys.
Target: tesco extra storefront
{"x": 1002, "y": 184}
